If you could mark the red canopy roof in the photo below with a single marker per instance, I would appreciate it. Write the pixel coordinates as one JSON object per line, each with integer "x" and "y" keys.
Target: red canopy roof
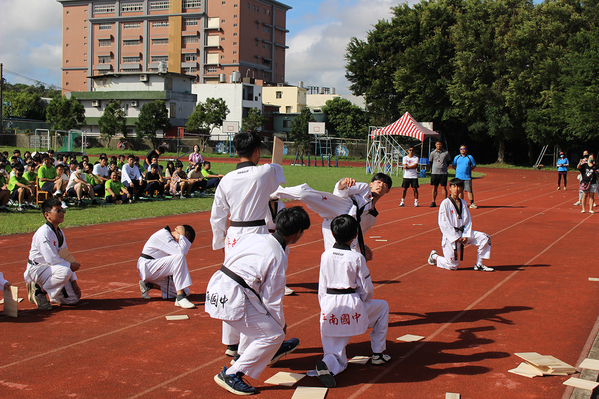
{"x": 406, "y": 126}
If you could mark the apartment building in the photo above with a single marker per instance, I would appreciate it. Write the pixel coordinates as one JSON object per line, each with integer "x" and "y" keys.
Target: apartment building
{"x": 289, "y": 99}
{"x": 209, "y": 39}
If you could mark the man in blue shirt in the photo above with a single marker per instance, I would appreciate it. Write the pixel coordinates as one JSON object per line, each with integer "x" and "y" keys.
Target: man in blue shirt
{"x": 464, "y": 165}
{"x": 562, "y": 170}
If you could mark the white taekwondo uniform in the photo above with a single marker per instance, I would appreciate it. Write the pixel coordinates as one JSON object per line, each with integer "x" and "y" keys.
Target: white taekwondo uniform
{"x": 261, "y": 261}
{"x": 343, "y": 313}
{"x": 243, "y": 194}
{"x": 454, "y": 226}
{"x": 47, "y": 269}
{"x": 163, "y": 256}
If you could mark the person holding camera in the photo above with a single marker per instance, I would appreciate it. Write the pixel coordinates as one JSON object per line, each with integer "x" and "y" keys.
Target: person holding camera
{"x": 588, "y": 182}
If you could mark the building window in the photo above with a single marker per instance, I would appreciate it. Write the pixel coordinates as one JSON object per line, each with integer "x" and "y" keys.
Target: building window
{"x": 131, "y": 59}
{"x": 234, "y": 5}
{"x": 248, "y": 6}
{"x": 258, "y": 9}
{"x": 288, "y": 109}
{"x": 279, "y": 94}
{"x": 254, "y": 6}
{"x": 266, "y": 46}
{"x": 223, "y": 21}
{"x": 103, "y": 59}
{"x": 234, "y": 61}
{"x": 234, "y": 52}
{"x": 132, "y": 7}
{"x": 234, "y": 15}
{"x": 159, "y": 42}
{"x": 104, "y": 8}
{"x": 135, "y": 42}
{"x": 266, "y": 28}
{"x": 191, "y": 21}
{"x": 190, "y": 57}
{"x": 104, "y": 43}
{"x": 211, "y": 69}
{"x": 158, "y": 58}
{"x": 189, "y": 69}
{"x": 234, "y": 33}
{"x": 235, "y": 25}
{"x": 266, "y": 62}
{"x": 131, "y": 25}
{"x": 192, "y": 4}
{"x": 190, "y": 39}
{"x": 222, "y": 39}
{"x": 104, "y": 26}
{"x": 160, "y": 24}
{"x": 222, "y": 57}
{"x": 286, "y": 123}
{"x": 159, "y": 5}
{"x": 234, "y": 43}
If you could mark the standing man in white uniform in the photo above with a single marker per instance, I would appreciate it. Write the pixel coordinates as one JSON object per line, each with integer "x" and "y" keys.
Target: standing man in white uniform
{"x": 456, "y": 226}
{"x": 131, "y": 178}
{"x": 247, "y": 294}
{"x": 163, "y": 264}
{"x": 243, "y": 195}
{"x": 345, "y": 293}
{"x": 410, "y": 176}
{"x": 47, "y": 273}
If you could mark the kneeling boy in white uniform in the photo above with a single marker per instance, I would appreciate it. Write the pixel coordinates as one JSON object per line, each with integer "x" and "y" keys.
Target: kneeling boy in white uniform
{"x": 48, "y": 273}
{"x": 162, "y": 263}
{"x": 247, "y": 294}
{"x": 456, "y": 226}
{"x": 345, "y": 293}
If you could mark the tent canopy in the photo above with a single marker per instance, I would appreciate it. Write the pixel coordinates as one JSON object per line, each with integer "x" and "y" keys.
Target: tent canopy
{"x": 406, "y": 126}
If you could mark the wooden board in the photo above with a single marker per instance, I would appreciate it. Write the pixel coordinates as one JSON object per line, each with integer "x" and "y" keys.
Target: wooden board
{"x": 452, "y": 395}
{"x": 67, "y": 255}
{"x": 177, "y": 317}
{"x": 526, "y": 370}
{"x": 593, "y": 279}
{"x": 590, "y": 364}
{"x": 359, "y": 359}
{"x": 537, "y": 359}
{"x": 285, "y": 379}
{"x": 309, "y": 393}
{"x": 19, "y": 300}
{"x": 277, "y": 151}
{"x": 582, "y": 384}
{"x": 11, "y": 296}
{"x": 410, "y": 338}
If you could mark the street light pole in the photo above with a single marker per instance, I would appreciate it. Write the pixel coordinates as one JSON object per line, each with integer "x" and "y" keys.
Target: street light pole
{"x": 1, "y": 99}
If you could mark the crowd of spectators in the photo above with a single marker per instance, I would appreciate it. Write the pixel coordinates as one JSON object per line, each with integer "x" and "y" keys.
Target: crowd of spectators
{"x": 109, "y": 180}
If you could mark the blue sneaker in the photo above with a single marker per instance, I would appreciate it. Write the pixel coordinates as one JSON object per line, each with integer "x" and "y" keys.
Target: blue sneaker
{"x": 234, "y": 383}
{"x": 286, "y": 348}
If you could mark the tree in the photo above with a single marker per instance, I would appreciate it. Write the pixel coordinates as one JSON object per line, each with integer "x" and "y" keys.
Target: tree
{"x": 65, "y": 114}
{"x": 24, "y": 105}
{"x": 345, "y": 119}
{"x": 254, "y": 120}
{"x": 113, "y": 120}
{"x": 208, "y": 115}
{"x": 299, "y": 130}
{"x": 152, "y": 117}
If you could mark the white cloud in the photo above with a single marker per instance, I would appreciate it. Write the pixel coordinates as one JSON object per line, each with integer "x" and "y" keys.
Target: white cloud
{"x": 316, "y": 53}
{"x": 31, "y": 42}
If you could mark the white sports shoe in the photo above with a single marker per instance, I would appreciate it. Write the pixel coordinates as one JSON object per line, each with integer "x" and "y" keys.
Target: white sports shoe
{"x": 415, "y": 203}
{"x": 577, "y": 203}
{"x": 431, "y": 260}
{"x": 483, "y": 268}
{"x": 184, "y": 303}
{"x": 401, "y": 203}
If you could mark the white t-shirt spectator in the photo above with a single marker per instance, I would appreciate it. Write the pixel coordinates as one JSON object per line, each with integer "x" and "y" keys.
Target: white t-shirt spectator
{"x": 410, "y": 173}
{"x": 129, "y": 173}
{"x": 101, "y": 171}
{"x": 74, "y": 176}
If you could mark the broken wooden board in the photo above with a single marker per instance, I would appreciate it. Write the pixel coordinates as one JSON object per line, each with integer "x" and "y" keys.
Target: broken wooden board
{"x": 285, "y": 379}
{"x": 547, "y": 364}
{"x": 11, "y": 296}
{"x": 526, "y": 370}
{"x": 359, "y": 359}
{"x": 590, "y": 364}
{"x": 452, "y": 395}
{"x": 277, "y": 151}
{"x": 582, "y": 384}
{"x": 410, "y": 338}
{"x": 19, "y": 300}
{"x": 593, "y": 279}
{"x": 177, "y": 317}
{"x": 309, "y": 393}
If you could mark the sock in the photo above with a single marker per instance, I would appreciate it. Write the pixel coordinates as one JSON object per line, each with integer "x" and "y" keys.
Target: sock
{"x": 435, "y": 256}
{"x": 180, "y": 296}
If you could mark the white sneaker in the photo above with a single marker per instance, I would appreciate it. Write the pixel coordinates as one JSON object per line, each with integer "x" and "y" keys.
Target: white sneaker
{"x": 473, "y": 206}
{"x": 145, "y": 294}
{"x": 184, "y": 303}
{"x": 577, "y": 203}
{"x": 288, "y": 291}
{"x": 431, "y": 259}
{"x": 64, "y": 205}
{"x": 57, "y": 193}
{"x": 483, "y": 268}
{"x": 416, "y": 203}
{"x": 401, "y": 203}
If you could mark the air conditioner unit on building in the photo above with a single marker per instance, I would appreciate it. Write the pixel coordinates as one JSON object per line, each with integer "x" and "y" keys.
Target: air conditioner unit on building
{"x": 134, "y": 103}
{"x": 95, "y": 103}
{"x": 143, "y": 78}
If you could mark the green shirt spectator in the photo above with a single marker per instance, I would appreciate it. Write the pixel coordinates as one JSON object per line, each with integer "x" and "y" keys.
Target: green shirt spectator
{"x": 30, "y": 176}
{"x": 115, "y": 186}
{"x": 45, "y": 172}
{"x": 12, "y": 183}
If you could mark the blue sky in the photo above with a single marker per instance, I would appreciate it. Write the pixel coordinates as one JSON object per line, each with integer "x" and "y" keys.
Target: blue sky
{"x": 319, "y": 32}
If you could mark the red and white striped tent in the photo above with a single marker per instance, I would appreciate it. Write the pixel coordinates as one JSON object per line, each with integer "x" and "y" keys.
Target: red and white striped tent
{"x": 405, "y": 126}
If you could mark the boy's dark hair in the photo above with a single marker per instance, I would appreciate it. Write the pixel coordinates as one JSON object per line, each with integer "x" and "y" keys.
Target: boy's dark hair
{"x": 206, "y": 163}
{"x": 113, "y": 163}
{"x": 50, "y": 203}
{"x": 161, "y": 150}
{"x": 102, "y": 158}
{"x": 178, "y": 164}
{"x": 18, "y": 167}
{"x": 456, "y": 182}
{"x": 384, "y": 178}
{"x": 16, "y": 151}
{"x": 344, "y": 228}
{"x": 131, "y": 156}
{"x": 80, "y": 165}
{"x": 51, "y": 151}
{"x": 121, "y": 156}
{"x": 292, "y": 220}
{"x": 245, "y": 143}
{"x": 73, "y": 162}
{"x": 136, "y": 158}
{"x": 190, "y": 233}
{"x": 113, "y": 171}
{"x": 30, "y": 163}
{"x": 153, "y": 166}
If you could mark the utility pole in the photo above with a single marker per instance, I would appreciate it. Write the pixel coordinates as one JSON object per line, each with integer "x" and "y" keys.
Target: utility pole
{"x": 1, "y": 99}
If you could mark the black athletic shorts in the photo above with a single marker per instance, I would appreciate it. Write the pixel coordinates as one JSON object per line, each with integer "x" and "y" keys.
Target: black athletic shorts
{"x": 410, "y": 183}
{"x": 438, "y": 179}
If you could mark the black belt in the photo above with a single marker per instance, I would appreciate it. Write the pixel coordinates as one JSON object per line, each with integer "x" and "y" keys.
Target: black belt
{"x": 460, "y": 229}
{"x": 235, "y": 277}
{"x": 249, "y": 223}
{"x": 32, "y": 263}
{"x": 146, "y": 256}
{"x": 335, "y": 291}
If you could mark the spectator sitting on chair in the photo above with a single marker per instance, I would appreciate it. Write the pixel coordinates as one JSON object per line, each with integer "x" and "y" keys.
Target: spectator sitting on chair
{"x": 197, "y": 179}
{"x": 113, "y": 167}
{"x": 155, "y": 182}
{"x": 17, "y": 153}
{"x": 131, "y": 178}
{"x": 115, "y": 191}
{"x": 179, "y": 181}
{"x": 78, "y": 186}
{"x": 100, "y": 172}
{"x": 168, "y": 173}
{"x": 72, "y": 166}
{"x": 19, "y": 188}
{"x": 48, "y": 178}
{"x": 4, "y": 192}
{"x": 212, "y": 179}
{"x": 122, "y": 161}
{"x": 30, "y": 174}
{"x": 65, "y": 181}
{"x": 142, "y": 168}
{"x": 96, "y": 183}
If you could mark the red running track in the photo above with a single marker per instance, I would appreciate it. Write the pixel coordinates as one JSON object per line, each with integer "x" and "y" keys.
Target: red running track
{"x": 116, "y": 345}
